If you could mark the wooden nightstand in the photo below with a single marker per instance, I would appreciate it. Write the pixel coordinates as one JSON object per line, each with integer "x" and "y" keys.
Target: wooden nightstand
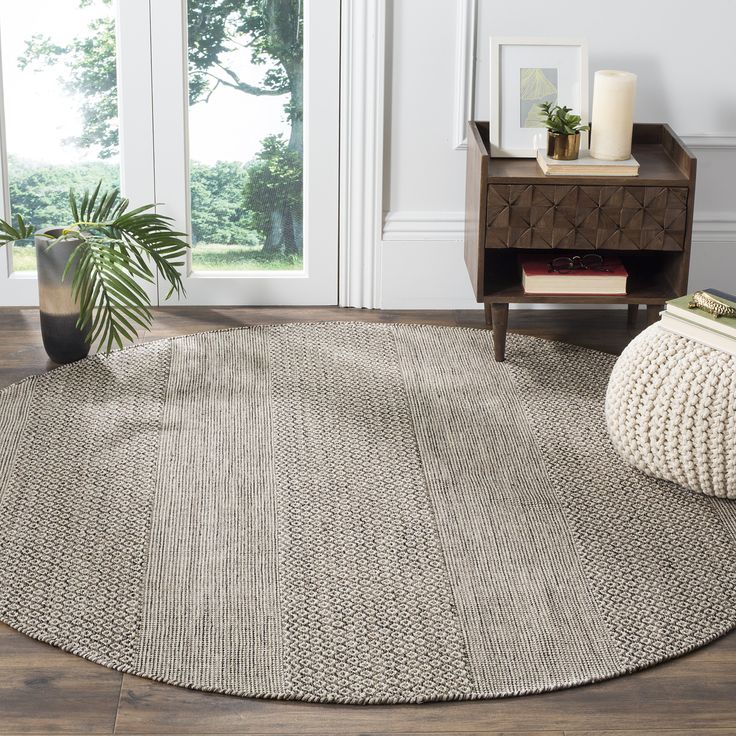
{"x": 512, "y": 207}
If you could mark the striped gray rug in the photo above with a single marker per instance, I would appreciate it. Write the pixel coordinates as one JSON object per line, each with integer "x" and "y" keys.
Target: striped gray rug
{"x": 349, "y": 512}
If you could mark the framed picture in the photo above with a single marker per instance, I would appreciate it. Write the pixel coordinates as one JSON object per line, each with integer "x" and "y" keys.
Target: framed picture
{"x": 526, "y": 72}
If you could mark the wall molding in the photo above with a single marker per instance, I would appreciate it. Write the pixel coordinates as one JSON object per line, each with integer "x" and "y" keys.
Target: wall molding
{"x": 410, "y": 226}
{"x": 362, "y": 100}
{"x": 465, "y": 48}
{"x": 407, "y": 226}
{"x": 715, "y": 227}
{"x": 704, "y": 141}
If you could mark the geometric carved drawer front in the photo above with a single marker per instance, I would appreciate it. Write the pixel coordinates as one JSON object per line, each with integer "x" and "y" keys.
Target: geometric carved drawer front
{"x": 586, "y": 217}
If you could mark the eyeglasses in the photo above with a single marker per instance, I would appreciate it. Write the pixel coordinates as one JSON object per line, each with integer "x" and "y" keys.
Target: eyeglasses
{"x": 588, "y": 262}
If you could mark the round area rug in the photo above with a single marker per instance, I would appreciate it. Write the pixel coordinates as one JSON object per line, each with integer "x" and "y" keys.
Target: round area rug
{"x": 349, "y": 512}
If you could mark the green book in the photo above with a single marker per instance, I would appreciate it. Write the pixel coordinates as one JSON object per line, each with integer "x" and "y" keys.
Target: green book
{"x": 724, "y": 325}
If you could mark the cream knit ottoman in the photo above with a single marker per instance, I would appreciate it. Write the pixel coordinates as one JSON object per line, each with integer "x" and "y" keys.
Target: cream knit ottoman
{"x": 671, "y": 411}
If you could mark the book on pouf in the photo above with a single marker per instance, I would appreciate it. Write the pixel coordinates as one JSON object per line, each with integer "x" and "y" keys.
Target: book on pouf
{"x": 699, "y": 325}
{"x": 586, "y": 165}
{"x": 537, "y": 277}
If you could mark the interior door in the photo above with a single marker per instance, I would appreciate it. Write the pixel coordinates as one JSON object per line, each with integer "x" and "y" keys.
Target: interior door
{"x": 245, "y": 127}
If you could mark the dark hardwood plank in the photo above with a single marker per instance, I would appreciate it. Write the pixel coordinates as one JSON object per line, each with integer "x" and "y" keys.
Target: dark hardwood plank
{"x": 470, "y": 733}
{"x": 384, "y": 733}
{"x": 45, "y": 690}
{"x": 375, "y": 733}
{"x": 694, "y": 692}
{"x": 633, "y": 313}
{"x": 678, "y": 732}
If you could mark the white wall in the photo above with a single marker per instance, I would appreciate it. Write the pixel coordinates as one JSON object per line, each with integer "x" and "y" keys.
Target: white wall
{"x": 683, "y": 53}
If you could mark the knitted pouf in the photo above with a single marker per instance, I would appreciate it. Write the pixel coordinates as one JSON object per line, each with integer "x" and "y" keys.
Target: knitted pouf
{"x": 671, "y": 411}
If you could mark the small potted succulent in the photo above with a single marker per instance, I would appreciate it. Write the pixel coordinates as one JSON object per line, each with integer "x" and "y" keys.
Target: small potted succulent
{"x": 563, "y": 131}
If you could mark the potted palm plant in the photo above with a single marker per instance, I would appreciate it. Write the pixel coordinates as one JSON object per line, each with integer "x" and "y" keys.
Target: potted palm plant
{"x": 563, "y": 131}
{"x": 90, "y": 271}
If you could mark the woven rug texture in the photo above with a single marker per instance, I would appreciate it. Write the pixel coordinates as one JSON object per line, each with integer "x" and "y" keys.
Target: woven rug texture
{"x": 349, "y": 512}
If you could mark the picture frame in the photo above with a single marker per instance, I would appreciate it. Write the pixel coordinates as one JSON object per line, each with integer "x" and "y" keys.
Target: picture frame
{"x": 525, "y": 72}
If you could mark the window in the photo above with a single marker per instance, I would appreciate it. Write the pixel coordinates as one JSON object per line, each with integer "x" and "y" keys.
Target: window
{"x": 60, "y": 99}
{"x": 246, "y": 136}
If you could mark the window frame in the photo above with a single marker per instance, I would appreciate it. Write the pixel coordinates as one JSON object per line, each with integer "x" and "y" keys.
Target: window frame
{"x": 152, "y": 73}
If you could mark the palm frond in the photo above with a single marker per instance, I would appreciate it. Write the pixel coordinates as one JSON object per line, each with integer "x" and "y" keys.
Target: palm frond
{"x": 86, "y": 210}
{"x": 73, "y": 205}
{"x": 21, "y": 231}
{"x": 117, "y": 247}
{"x": 113, "y": 306}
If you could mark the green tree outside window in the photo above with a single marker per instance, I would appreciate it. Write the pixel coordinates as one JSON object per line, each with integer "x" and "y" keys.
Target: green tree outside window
{"x": 256, "y": 205}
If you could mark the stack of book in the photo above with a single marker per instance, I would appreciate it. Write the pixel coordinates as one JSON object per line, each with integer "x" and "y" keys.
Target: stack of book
{"x": 586, "y": 165}
{"x": 701, "y": 326}
{"x": 538, "y": 277}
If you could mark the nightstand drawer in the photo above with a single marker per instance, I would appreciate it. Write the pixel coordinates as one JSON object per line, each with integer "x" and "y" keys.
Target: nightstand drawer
{"x": 583, "y": 217}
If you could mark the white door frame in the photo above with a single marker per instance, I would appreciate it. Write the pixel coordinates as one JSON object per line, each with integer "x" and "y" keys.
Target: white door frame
{"x": 362, "y": 62}
{"x": 317, "y": 284}
{"x": 19, "y": 289}
{"x": 135, "y": 108}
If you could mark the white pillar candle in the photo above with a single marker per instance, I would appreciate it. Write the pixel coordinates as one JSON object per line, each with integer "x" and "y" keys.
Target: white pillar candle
{"x": 614, "y": 94}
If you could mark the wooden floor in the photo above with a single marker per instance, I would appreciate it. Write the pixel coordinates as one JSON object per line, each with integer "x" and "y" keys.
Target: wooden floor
{"x": 43, "y": 690}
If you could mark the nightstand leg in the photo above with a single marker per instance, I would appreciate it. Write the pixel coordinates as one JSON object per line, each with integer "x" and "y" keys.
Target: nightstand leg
{"x": 633, "y": 314}
{"x": 500, "y": 317}
{"x": 489, "y": 315}
{"x": 653, "y": 311}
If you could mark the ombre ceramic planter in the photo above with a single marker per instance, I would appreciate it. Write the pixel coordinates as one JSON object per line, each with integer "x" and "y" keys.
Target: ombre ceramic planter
{"x": 63, "y": 341}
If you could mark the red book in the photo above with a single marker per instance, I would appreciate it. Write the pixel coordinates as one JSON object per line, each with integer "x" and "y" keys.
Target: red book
{"x": 538, "y": 277}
